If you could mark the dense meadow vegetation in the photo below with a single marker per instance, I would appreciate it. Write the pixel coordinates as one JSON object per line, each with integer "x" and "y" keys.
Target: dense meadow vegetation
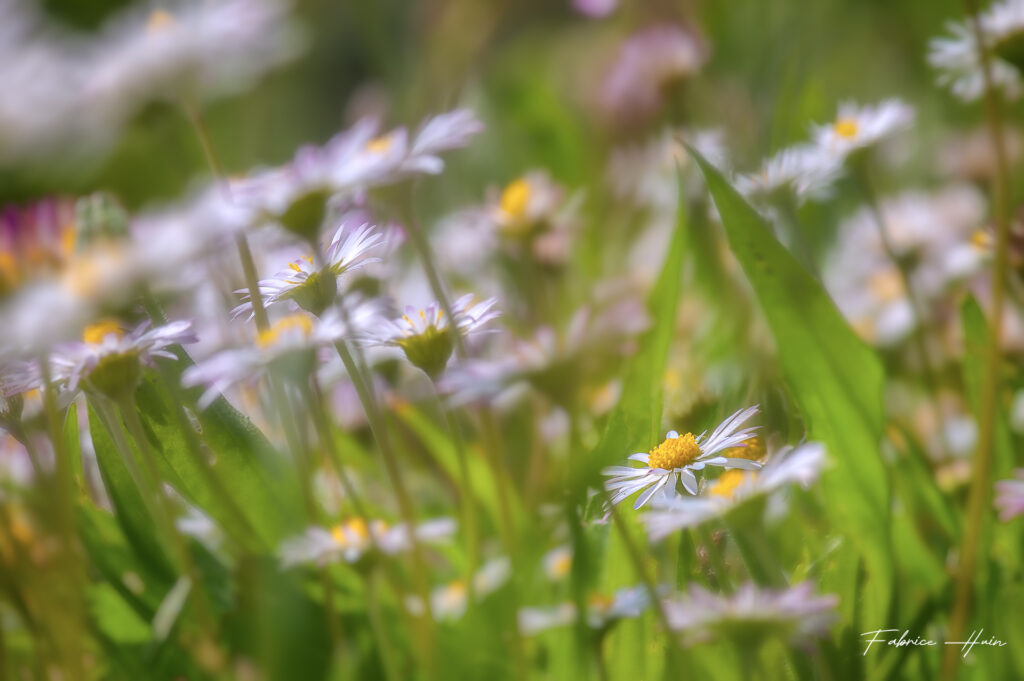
{"x": 539, "y": 339}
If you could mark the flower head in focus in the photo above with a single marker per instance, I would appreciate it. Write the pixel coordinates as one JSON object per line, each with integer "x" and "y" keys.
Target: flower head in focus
{"x": 801, "y": 464}
{"x": 314, "y": 288}
{"x": 674, "y": 461}
{"x": 424, "y": 335}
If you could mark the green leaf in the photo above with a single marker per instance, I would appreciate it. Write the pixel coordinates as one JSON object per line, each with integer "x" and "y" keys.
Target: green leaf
{"x": 129, "y": 507}
{"x": 232, "y": 484}
{"x": 635, "y": 422}
{"x": 835, "y": 378}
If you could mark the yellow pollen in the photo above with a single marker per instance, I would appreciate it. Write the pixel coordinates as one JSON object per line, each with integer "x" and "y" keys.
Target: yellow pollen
{"x": 270, "y": 336}
{"x": 675, "y": 452}
{"x": 379, "y": 145}
{"x": 727, "y": 482}
{"x": 981, "y": 240}
{"x": 515, "y": 199}
{"x": 95, "y": 333}
{"x": 752, "y": 449}
{"x": 338, "y": 534}
{"x": 845, "y": 127}
{"x": 159, "y": 20}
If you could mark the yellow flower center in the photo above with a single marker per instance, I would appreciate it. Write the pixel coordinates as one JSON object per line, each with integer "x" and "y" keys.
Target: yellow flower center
{"x": 297, "y": 267}
{"x": 845, "y": 127}
{"x": 561, "y": 565}
{"x": 727, "y": 482}
{"x": 159, "y": 20}
{"x": 379, "y": 145}
{"x": 752, "y": 449}
{"x": 270, "y": 336}
{"x": 95, "y": 333}
{"x": 515, "y": 199}
{"x": 452, "y": 596}
{"x": 351, "y": 532}
{"x": 981, "y": 240}
{"x": 675, "y": 452}
{"x": 887, "y": 285}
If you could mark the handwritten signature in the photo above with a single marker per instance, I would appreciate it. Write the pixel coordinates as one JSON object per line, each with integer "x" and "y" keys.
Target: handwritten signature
{"x": 905, "y": 639}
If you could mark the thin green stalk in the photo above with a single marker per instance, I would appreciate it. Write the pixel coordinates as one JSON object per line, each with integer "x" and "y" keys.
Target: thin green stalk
{"x": 981, "y": 480}
{"x": 380, "y": 630}
{"x": 405, "y": 506}
{"x": 469, "y": 526}
{"x": 641, "y": 572}
{"x": 715, "y": 556}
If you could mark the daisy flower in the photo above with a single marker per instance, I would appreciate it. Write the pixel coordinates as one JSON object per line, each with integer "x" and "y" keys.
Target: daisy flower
{"x": 289, "y": 344}
{"x": 449, "y": 602}
{"x": 858, "y": 127}
{"x": 355, "y": 159}
{"x": 956, "y": 59}
{"x": 648, "y": 63}
{"x": 753, "y": 615}
{"x": 423, "y": 334}
{"x": 806, "y": 170}
{"x": 1010, "y": 496}
{"x": 800, "y": 465}
{"x": 352, "y": 539}
{"x": 557, "y": 563}
{"x": 188, "y": 44}
{"x": 602, "y": 611}
{"x": 314, "y": 288}
{"x": 675, "y": 460}
{"x": 108, "y": 358}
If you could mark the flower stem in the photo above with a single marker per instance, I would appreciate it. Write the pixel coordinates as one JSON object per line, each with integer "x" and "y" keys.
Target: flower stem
{"x": 469, "y": 529}
{"x": 405, "y": 506}
{"x": 981, "y": 480}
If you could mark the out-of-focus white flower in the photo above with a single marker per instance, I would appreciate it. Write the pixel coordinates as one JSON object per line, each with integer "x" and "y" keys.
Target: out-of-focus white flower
{"x": 108, "y": 358}
{"x": 1010, "y": 496}
{"x": 351, "y": 540}
{"x": 753, "y": 615}
{"x": 857, "y": 127}
{"x": 187, "y": 46}
{"x": 557, "y": 563}
{"x": 602, "y": 611}
{"x": 424, "y": 336}
{"x": 648, "y": 63}
{"x": 314, "y": 288}
{"x": 353, "y": 160}
{"x": 526, "y": 201}
{"x": 75, "y": 91}
{"x": 806, "y": 170}
{"x": 675, "y": 460}
{"x": 956, "y": 56}
{"x": 936, "y": 233}
{"x": 448, "y": 603}
{"x": 647, "y": 173}
{"x": 800, "y": 465}
{"x": 290, "y": 343}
